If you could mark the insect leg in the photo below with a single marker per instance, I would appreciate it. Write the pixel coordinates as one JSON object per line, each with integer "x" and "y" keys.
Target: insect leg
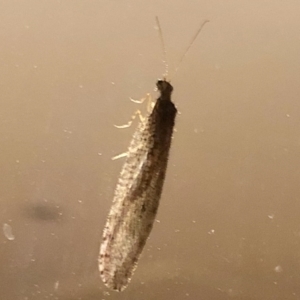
{"x": 137, "y": 113}
{"x": 119, "y": 156}
{"x": 139, "y": 101}
{"x": 149, "y": 99}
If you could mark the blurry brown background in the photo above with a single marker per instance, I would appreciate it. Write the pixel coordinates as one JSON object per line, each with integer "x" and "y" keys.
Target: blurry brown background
{"x": 229, "y": 219}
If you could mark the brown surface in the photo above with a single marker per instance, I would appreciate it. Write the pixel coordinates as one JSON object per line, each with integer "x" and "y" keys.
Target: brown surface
{"x": 230, "y": 212}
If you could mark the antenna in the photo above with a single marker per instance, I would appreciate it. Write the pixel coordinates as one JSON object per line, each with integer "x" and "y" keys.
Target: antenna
{"x": 190, "y": 45}
{"x": 165, "y": 61}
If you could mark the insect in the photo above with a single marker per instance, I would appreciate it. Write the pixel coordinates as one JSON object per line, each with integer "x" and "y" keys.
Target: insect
{"x": 138, "y": 191}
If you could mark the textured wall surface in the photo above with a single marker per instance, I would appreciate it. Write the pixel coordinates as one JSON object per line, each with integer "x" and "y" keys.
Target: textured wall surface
{"x": 228, "y": 223}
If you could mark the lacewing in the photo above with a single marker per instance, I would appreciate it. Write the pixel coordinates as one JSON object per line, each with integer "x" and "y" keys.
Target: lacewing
{"x": 139, "y": 189}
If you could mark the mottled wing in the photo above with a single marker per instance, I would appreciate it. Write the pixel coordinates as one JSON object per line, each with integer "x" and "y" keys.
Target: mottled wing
{"x": 136, "y": 198}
